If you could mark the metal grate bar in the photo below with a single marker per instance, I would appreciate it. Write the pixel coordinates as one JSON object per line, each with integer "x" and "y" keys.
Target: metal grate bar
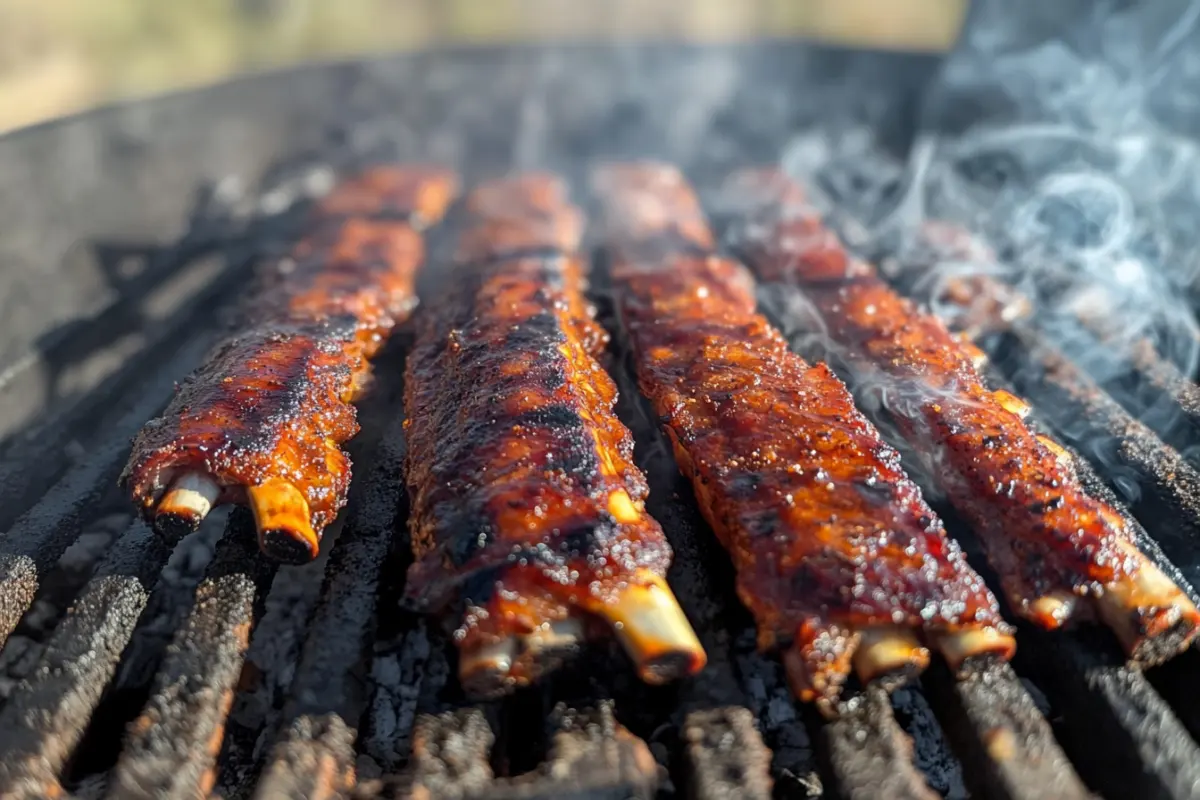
{"x": 1008, "y": 749}
{"x": 40, "y": 537}
{"x": 1154, "y": 376}
{"x": 1122, "y": 735}
{"x": 1165, "y": 378}
{"x": 47, "y": 714}
{"x": 171, "y": 748}
{"x": 450, "y": 755}
{"x": 870, "y": 756}
{"x": 313, "y": 760}
{"x": 591, "y": 756}
{"x": 719, "y": 745}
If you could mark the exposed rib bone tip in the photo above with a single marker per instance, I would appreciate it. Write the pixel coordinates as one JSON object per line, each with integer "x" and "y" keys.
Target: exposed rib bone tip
{"x": 493, "y": 669}
{"x": 887, "y": 650}
{"x": 958, "y": 646}
{"x": 557, "y": 636}
{"x": 978, "y": 358}
{"x": 802, "y": 684}
{"x": 185, "y": 504}
{"x": 1011, "y": 403}
{"x": 1064, "y": 458}
{"x": 654, "y": 631}
{"x": 822, "y": 685}
{"x": 1151, "y": 616}
{"x": 621, "y": 506}
{"x": 281, "y": 514}
{"x": 484, "y": 671}
{"x": 1054, "y": 609}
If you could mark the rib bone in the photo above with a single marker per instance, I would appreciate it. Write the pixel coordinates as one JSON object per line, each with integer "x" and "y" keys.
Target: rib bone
{"x": 653, "y": 630}
{"x": 281, "y": 514}
{"x": 959, "y": 646}
{"x": 185, "y": 505}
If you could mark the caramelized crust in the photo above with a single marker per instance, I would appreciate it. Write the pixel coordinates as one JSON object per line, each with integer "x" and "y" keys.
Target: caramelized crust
{"x": 829, "y": 537}
{"x": 1045, "y": 536}
{"x": 526, "y": 504}
{"x": 273, "y": 400}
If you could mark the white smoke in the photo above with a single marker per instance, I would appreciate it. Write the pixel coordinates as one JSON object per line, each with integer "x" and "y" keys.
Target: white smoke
{"x": 1056, "y": 135}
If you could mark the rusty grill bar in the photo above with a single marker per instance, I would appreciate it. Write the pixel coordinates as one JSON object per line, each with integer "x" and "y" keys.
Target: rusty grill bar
{"x": 371, "y": 708}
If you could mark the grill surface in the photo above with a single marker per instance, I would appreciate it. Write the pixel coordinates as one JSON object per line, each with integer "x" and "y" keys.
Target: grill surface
{"x": 131, "y": 671}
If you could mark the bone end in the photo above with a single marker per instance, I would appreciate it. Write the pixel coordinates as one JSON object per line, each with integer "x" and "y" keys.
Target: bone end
{"x": 652, "y": 628}
{"x": 975, "y": 643}
{"x": 1012, "y": 404}
{"x": 884, "y": 655}
{"x": 1052, "y": 610}
{"x": 486, "y": 671}
{"x": 185, "y": 505}
{"x": 281, "y": 514}
{"x": 889, "y": 651}
{"x": 1151, "y": 616}
{"x": 496, "y": 668}
{"x": 820, "y": 680}
{"x": 1064, "y": 458}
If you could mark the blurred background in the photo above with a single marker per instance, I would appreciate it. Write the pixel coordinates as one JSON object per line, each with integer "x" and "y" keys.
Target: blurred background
{"x": 61, "y": 56}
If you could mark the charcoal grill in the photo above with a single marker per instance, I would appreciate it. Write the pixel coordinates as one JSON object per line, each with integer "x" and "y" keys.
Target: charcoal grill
{"x": 131, "y": 670}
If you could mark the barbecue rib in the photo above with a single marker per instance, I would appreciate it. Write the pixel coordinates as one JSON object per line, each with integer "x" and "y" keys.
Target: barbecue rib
{"x": 263, "y": 420}
{"x": 834, "y": 546}
{"x": 1057, "y": 550}
{"x": 527, "y": 509}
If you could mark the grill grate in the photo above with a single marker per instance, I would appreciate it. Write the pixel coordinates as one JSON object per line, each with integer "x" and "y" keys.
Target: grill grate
{"x": 733, "y": 732}
{"x": 367, "y": 705}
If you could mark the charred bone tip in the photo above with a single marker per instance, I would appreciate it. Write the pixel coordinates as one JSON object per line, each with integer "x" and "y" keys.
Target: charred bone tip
{"x": 887, "y": 656}
{"x": 494, "y": 668}
{"x": 281, "y": 515}
{"x": 185, "y": 504}
{"x": 1151, "y": 616}
{"x": 652, "y": 628}
{"x": 1052, "y": 610}
{"x": 888, "y": 651}
{"x": 958, "y": 647}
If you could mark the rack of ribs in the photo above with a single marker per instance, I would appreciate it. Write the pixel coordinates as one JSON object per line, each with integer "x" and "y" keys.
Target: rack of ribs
{"x": 528, "y": 522}
{"x": 1060, "y": 554}
{"x": 838, "y": 557}
{"x": 263, "y": 420}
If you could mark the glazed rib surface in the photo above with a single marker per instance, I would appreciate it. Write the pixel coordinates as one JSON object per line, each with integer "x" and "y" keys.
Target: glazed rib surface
{"x": 832, "y": 542}
{"x": 527, "y": 508}
{"x": 271, "y": 406}
{"x": 1050, "y": 542}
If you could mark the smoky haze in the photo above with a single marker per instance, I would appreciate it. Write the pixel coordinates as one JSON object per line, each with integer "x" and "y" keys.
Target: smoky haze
{"x": 1055, "y": 133}
{"x": 1062, "y": 136}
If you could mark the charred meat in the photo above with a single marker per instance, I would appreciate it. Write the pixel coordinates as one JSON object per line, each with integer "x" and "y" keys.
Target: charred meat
{"x": 838, "y": 556}
{"x": 528, "y": 520}
{"x": 263, "y": 420}
{"x": 1059, "y": 552}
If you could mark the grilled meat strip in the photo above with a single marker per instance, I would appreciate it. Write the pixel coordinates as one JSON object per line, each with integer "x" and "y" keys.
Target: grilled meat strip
{"x": 835, "y": 549}
{"x": 263, "y": 419}
{"x": 1058, "y": 551}
{"x": 528, "y": 519}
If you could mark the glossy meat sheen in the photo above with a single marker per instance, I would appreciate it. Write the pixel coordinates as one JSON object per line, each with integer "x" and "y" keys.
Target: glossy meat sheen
{"x": 525, "y": 499}
{"x": 1041, "y": 530}
{"x": 826, "y": 531}
{"x": 273, "y": 400}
